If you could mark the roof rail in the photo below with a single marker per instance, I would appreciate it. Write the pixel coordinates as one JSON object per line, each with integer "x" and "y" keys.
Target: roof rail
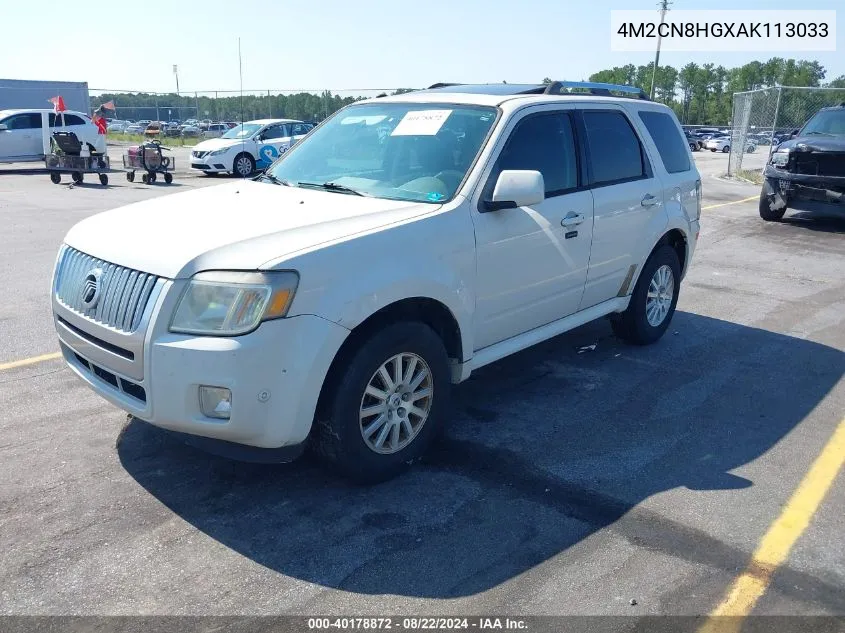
{"x": 598, "y": 89}
{"x": 441, "y": 85}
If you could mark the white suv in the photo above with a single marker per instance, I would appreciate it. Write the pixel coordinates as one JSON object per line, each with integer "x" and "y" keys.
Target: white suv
{"x": 405, "y": 242}
{"x": 22, "y": 132}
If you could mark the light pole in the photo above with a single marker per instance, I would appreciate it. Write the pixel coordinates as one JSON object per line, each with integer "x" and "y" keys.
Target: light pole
{"x": 664, "y": 7}
{"x": 176, "y": 72}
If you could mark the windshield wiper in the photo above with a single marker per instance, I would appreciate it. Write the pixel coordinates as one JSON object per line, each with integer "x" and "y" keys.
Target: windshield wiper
{"x": 332, "y": 186}
{"x": 273, "y": 179}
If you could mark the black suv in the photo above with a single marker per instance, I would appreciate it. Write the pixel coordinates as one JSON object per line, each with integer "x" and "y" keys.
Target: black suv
{"x": 807, "y": 171}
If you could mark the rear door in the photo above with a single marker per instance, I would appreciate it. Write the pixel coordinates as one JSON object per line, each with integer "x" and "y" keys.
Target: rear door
{"x": 627, "y": 198}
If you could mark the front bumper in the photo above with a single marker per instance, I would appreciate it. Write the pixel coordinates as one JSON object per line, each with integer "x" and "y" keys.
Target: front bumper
{"x": 803, "y": 192}
{"x": 222, "y": 163}
{"x": 275, "y": 374}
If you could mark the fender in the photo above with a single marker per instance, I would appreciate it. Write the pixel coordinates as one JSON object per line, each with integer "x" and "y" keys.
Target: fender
{"x": 430, "y": 257}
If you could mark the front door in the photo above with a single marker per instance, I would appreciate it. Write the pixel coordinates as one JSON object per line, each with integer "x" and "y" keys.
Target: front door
{"x": 532, "y": 261}
{"x": 22, "y": 137}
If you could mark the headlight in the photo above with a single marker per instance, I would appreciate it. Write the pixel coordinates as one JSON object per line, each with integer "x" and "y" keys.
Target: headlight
{"x": 221, "y": 303}
{"x": 217, "y": 152}
{"x": 780, "y": 158}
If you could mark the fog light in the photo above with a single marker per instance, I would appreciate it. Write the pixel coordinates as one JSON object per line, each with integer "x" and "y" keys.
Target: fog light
{"x": 215, "y": 402}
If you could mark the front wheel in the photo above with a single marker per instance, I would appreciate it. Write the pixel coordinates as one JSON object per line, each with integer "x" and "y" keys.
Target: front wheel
{"x": 653, "y": 301}
{"x": 55, "y": 178}
{"x": 244, "y": 165}
{"x": 383, "y": 403}
{"x": 104, "y": 179}
{"x": 726, "y": 149}
{"x": 168, "y": 178}
{"x": 766, "y": 211}
{"x": 76, "y": 177}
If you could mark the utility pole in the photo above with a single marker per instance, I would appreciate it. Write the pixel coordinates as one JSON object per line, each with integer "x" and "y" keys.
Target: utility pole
{"x": 176, "y": 72}
{"x": 664, "y": 7}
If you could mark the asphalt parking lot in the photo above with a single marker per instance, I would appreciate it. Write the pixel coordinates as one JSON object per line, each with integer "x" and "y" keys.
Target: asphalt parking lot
{"x": 567, "y": 484}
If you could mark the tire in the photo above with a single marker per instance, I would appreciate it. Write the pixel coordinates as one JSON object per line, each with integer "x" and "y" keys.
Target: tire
{"x": 151, "y": 178}
{"x": 168, "y": 178}
{"x": 76, "y": 177}
{"x": 338, "y": 433}
{"x": 242, "y": 162}
{"x": 726, "y": 149}
{"x": 765, "y": 208}
{"x": 130, "y": 176}
{"x": 104, "y": 179}
{"x": 145, "y": 178}
{"x": 693, "y": 147}
{"x": 55, "y": 178}
{"x": 712, "y": 149}
{"x": 633, "y": 325}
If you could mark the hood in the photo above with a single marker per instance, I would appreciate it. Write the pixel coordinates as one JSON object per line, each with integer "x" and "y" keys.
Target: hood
{"x": 240, "y": 225}
{"x": 815, "y": 143}
{"x": 217, "y": 143}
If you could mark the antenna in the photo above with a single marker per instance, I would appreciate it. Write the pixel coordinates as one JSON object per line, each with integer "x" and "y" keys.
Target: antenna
{"x": 241, "y": 78}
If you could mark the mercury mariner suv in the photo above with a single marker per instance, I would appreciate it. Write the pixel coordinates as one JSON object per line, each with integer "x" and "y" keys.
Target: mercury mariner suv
{"x": 333, "y": 300}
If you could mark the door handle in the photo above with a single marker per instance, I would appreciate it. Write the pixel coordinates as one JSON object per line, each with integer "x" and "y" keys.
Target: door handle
{"x": 648, "y": 200}
{"x": 572, "y": 219}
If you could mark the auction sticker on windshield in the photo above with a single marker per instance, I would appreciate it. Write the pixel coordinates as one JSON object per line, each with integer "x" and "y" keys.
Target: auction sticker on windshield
{"x": 421, "y": 123}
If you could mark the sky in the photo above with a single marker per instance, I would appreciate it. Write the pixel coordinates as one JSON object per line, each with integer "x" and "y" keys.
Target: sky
{"x": 340, "y": 44}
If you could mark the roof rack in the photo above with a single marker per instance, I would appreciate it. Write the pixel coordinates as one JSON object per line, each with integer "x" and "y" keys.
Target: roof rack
{"x": 593, "y": 88}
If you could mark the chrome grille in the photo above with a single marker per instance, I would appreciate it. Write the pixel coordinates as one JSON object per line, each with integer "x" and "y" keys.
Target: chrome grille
{"x": 124, "y": 292}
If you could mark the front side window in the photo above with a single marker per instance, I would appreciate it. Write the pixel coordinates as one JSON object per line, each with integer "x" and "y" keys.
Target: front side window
{"x": 671, "y": 147}
{"x": 403, "y": 151}
{"x": 23, "y": 122}
{"x": 274, "y": 131}
{"x": 615, "y": 151}
{"x": 544, "y": 143}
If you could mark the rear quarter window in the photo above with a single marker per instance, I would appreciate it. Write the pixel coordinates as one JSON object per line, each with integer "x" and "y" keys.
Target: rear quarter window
{"x": 671, "y": 146}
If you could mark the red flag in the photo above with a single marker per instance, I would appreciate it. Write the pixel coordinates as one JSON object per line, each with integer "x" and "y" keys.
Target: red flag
{"x": 108, "y": 105}
{"x": 58, "y": 104}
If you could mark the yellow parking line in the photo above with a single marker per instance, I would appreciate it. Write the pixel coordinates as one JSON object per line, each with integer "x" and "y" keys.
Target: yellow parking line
{"x": 725, "y": 204}
{"x": 30, "y": 361}
{"x": 775, "y": 546}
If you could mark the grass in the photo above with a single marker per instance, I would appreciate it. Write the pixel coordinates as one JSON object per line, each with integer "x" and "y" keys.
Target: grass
{"x": 166, "y": 141}
{"x": 751, "y": 175}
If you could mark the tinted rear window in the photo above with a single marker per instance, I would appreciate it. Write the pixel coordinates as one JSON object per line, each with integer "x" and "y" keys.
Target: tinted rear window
{"x": 615, "y": 150}
{"x": 671, "y": 147}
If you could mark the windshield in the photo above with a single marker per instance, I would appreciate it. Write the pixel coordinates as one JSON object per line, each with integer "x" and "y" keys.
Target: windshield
{"x": 831, "y": 122}
{"x": 403, "y": 151}
{"x": 244, "y": 130}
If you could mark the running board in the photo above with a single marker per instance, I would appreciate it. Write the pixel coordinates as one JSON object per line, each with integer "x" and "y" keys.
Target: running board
{"x": 520, "y": 342}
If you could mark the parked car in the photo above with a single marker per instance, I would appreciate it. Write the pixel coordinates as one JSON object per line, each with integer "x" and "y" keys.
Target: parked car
{"x": 723, "y": 144}
{"x": 190, "y": 130}
{"x": 695, "y": 143}
{"x": 215, "y": 130}
{"x": 134, "y": 128}
{"x": 117, "y": 126}
{"x": 335, "y": 298}
{"x": 22, "y": 132}
{"x": 806, "y": 172}
{"x": 154, "y": 129}
{"x": 247, "y": 147}
{"x": 203, "y": 125}
{"x": 230, "y": 124}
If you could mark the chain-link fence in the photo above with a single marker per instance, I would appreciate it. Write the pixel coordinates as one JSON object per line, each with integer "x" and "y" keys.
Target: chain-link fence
{"x": 763, "y": 117}
{"x": 311, "y": 105}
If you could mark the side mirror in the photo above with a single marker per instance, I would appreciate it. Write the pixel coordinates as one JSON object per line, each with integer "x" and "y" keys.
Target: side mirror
{"x": 794, "y": 133}
{"x": 517, "y": 188}
{"x": 3, "y": 127}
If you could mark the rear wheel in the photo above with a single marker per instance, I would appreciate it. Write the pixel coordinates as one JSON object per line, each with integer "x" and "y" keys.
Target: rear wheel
{"x": 726, "y": 149}
{"x": 653, "y": 301}
{"x": 384, "y": 406}
{"x": 104, "y": 179}
{"x": 55, "y": 178}
{"x": 168, "y": 178}
{"x": 76, "y": 177}
{"x": 130, "y": 176}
